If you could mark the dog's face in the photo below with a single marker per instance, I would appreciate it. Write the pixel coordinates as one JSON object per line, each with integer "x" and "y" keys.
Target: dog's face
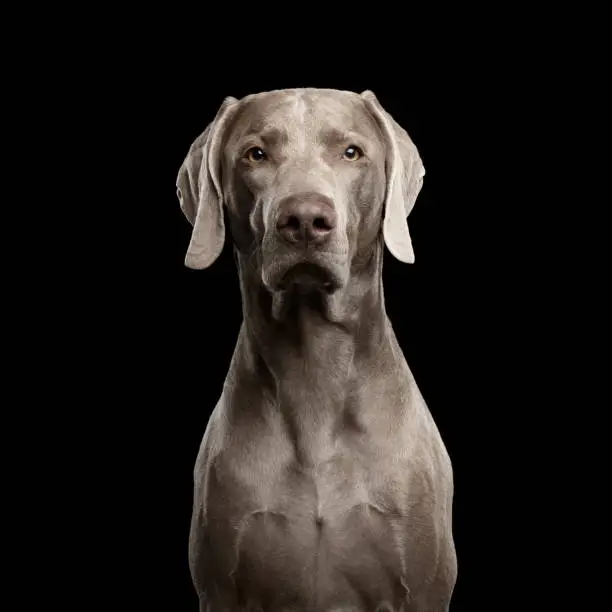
{"x": 307, "y": 176}
{"x": 304, "y": 178}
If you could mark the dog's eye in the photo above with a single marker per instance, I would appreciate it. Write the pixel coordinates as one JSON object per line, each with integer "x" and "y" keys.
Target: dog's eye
{"x": 255, "y": 154}
{"x": 353, "y": 153}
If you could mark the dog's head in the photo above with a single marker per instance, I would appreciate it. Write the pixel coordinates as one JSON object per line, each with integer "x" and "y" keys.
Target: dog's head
{"x": 309, "y": 178}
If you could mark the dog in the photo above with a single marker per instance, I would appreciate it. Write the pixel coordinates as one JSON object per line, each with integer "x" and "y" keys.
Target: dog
{"x": 322, "y": 483}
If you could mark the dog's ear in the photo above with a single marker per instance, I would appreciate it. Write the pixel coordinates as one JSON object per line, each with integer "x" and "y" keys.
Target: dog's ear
{"x": 200, "y": 192}
{"x": 405, "y": 172}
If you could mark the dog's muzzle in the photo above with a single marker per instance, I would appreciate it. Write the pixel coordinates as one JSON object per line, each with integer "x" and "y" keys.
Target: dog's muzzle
{"x": 302, "y": 246}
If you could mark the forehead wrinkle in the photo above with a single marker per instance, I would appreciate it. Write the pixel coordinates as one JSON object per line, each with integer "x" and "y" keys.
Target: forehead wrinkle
{"x": 299, "y": 117}
{"x": 331, "y": 136}
{"x": 270, "y": 136}
{"x": 338, "y": 122}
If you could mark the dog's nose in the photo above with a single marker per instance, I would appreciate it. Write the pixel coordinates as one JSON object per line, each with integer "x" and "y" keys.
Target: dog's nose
{"x": 306, "y": 219}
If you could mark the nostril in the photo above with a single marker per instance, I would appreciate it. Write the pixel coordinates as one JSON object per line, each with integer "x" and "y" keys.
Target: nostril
{"x": 290, "y": 222}
{"x": 293, "y": 222}
{"x": 321, "y": 223}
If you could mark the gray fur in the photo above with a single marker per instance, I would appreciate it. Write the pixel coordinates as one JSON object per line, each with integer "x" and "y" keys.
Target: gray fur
{"x": 322, "y": 483}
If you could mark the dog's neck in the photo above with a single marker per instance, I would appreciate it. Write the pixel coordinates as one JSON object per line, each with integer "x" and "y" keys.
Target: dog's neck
{"x": 307, "y": 348}
{"x": 308, "y": 324}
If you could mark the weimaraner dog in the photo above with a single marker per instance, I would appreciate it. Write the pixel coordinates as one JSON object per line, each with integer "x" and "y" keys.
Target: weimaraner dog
{"x": 322, "y": 483}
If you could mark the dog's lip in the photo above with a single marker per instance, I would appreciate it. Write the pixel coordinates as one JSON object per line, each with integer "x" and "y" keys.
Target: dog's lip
{"x": 308, "y": 274}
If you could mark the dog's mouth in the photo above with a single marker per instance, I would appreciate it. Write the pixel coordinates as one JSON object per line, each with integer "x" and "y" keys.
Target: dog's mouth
{"x": 309, "y": 276}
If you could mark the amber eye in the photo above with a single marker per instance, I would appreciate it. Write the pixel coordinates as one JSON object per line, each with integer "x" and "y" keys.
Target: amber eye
{"x": 255, "y": 154}
{"x": 353, "y": 153}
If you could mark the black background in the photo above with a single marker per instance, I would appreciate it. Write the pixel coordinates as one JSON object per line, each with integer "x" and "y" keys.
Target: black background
{"x": 171, "y": 331}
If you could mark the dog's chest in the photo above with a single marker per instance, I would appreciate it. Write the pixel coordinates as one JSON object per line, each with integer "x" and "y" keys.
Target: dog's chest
{"x": 313, "y": 535}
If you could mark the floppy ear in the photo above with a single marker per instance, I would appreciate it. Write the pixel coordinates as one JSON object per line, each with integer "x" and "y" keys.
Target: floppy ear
{"x": 200, "y": 193}
{"x": 405, "y": 172}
